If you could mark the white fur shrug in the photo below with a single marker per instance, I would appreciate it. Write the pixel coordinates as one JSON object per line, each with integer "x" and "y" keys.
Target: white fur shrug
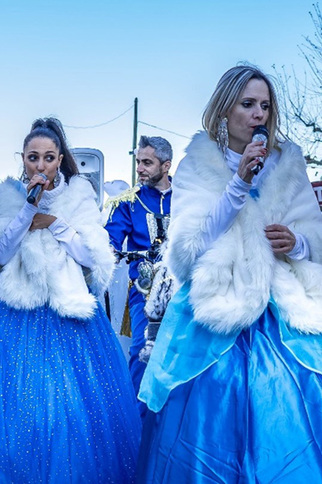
{"x": 41, "y": 271}
{"x": 231, "y": 283}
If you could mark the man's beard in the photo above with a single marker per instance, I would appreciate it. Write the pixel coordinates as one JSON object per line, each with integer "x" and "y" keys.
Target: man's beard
{"x": 153, "y": 180}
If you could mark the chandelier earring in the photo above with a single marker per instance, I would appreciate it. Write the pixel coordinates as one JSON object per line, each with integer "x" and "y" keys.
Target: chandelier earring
{"x": 57, "y": 178}
{"x": 222, "y": 135}
{"x": 24, "y": 177}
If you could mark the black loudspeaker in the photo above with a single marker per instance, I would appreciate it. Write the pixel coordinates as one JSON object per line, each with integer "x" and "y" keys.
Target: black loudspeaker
{"x": 90, "y": 163}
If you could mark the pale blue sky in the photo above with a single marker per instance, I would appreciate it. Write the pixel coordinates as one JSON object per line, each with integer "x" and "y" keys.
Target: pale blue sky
{"x": 86, "y": 61}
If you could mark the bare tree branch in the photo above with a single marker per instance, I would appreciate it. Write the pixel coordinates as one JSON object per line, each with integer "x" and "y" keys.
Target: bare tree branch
{"x": 301, "y": 100}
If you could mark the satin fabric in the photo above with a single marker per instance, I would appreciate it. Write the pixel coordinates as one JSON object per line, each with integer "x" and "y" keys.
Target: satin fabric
{"x": 185, "y": 348}
{"x": 67, "y": 407}
{"x": 247, "y": 411}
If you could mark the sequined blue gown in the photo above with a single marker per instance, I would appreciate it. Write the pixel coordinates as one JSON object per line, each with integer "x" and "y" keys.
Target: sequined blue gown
{"x": 238, "y": 409}
{"x": 67, "y": 407}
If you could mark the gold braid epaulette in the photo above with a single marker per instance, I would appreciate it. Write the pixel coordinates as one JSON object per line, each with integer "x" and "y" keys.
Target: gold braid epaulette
{"x": 128, "y": 195}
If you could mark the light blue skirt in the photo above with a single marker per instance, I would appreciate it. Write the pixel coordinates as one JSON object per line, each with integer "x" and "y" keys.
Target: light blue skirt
{"x": 239, "y": 409}
{"x": 67, "y": 407}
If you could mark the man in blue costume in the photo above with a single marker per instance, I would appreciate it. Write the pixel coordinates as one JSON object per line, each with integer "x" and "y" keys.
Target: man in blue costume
{"x": 141, "y": 214}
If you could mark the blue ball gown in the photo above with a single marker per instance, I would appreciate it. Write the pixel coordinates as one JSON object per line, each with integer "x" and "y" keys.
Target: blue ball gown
{"x": 243, "y": 408}
{"x": 67, "y": 409}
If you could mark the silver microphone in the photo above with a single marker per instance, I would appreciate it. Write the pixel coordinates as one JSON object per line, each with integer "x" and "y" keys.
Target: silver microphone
{"x": 260, "y": 133}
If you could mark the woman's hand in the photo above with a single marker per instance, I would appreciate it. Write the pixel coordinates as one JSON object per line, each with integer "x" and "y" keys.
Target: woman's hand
{"x": 42, "y": 221}
{"x": 281, "y": 238}
{"x": 38, "y": 180}
{"x": 252, "y": 152}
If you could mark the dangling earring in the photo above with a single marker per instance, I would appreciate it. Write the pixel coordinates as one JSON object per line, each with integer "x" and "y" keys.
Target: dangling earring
{"x": 24, "y": 177}
{"x": 57, "y": 178}
{"x": 222, "y": 135}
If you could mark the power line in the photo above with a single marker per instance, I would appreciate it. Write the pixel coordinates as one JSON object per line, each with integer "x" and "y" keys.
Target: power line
{"x": 166, "y": 130}
{"x": 101, "y": 124}
{"x": 119, "y": 116}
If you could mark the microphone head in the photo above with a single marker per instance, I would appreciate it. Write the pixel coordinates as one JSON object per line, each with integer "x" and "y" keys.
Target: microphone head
{"x": 42, "y": 176}
{"x": 261, "y": 129}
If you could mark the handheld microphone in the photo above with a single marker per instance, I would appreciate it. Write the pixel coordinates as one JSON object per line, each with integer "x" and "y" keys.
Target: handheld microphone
{"x": 260, "y": 133}
{"x": 34, "y": 192}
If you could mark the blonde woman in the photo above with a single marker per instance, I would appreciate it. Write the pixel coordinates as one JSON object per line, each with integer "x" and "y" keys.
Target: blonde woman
{"x": 234, "y": 382}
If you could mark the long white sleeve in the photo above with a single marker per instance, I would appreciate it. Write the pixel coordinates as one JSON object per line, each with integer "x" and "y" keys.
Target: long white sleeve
{"x": 222, "y": 216}
{"x": 15, "y": 232}
{"x": 72, "y": 242}
{"x": 301, "y": 249}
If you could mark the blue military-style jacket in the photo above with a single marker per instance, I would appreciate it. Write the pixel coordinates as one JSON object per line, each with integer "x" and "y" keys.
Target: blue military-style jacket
{"x": 133, "y": 215}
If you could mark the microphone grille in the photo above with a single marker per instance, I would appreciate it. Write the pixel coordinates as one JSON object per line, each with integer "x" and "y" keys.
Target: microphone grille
{"x": 261, "y": 129}
{"x": 42, "y": 175}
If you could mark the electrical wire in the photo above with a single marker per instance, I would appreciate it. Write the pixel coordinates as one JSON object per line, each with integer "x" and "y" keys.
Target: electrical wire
{"x": 101, "y": 124}
{"x": 163, "y": 129}
{"x": 119, "y": 116}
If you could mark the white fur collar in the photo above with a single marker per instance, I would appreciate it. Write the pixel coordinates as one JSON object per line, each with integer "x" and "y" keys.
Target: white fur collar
{"x": 41, "y": 271}
{"x": 233, "y": 280}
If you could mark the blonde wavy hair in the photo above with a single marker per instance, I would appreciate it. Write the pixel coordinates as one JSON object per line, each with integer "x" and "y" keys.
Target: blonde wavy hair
{"x": 226, "y": 94}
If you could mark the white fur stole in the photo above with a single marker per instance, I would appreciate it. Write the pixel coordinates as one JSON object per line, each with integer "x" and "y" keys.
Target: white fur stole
{"x": 233, "y": 280}
{"x": 42, "y": 271}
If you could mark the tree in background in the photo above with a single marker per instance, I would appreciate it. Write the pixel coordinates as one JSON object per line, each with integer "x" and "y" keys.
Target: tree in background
{"x": 301, "y": 97}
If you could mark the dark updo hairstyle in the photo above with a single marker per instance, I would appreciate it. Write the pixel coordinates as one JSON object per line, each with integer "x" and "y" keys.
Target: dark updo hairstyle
{"x": 52, "y": 128}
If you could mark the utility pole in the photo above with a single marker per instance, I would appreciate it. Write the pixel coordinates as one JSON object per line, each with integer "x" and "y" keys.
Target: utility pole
{"x": 135, "y": 135}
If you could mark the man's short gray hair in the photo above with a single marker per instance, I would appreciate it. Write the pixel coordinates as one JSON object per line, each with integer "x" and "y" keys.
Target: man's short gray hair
{"x": 163, "y": 149}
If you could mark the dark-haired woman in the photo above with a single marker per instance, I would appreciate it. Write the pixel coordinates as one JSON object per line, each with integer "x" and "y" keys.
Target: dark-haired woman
{"x": 234, "y": 381}
{"x": 67, "y": 407}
